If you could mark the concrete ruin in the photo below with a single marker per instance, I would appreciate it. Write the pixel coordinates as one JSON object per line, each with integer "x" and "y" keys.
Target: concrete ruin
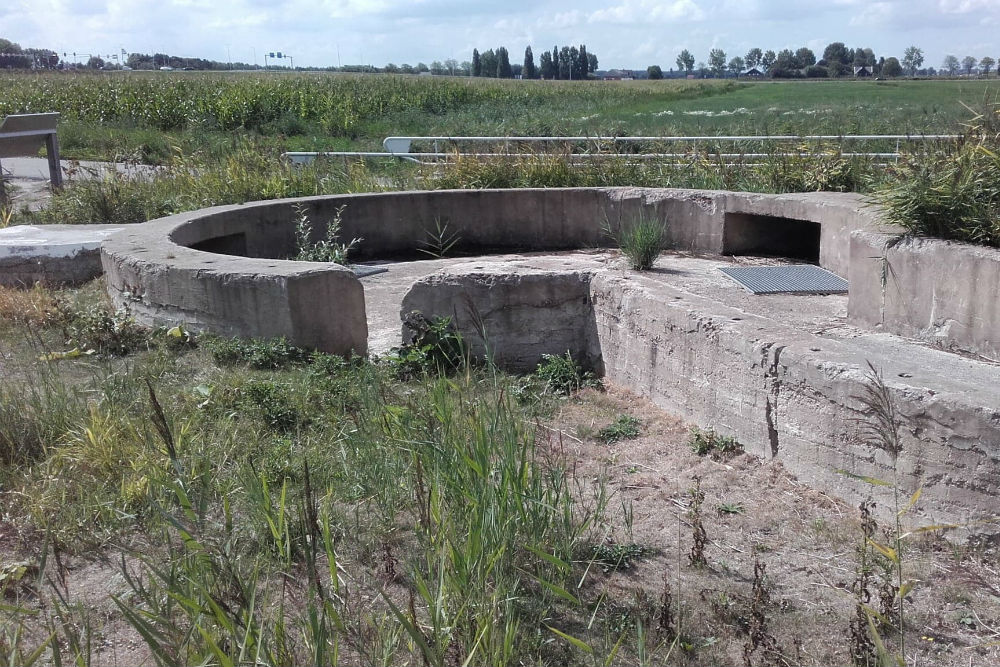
{"x": 783, "y": 374}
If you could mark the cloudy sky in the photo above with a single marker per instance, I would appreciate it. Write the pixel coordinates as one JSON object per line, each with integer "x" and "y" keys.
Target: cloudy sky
{"x": 623, "y": 33}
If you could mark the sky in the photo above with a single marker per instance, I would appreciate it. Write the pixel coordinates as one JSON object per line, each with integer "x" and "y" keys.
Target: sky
{"x": 622, "y": 33}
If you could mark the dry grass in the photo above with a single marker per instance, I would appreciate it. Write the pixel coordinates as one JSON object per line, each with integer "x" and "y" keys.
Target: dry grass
{"x": 31, "y": 306}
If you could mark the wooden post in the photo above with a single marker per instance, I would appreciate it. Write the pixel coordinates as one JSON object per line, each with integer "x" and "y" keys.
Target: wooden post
{"x": 3, "y": 191}
{"x": 52, "y": 151}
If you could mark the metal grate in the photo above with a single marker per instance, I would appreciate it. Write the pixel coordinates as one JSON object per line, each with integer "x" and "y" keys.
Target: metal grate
{"x": 364, "y": 270}
{"x": 791, "y": 279}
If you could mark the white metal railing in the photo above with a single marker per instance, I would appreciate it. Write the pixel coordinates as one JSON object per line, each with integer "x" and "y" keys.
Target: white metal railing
{"x": 402, "y": 147}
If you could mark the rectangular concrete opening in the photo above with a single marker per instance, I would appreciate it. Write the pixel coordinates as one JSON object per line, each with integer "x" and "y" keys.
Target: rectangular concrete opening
{"x": 747, "y": 234}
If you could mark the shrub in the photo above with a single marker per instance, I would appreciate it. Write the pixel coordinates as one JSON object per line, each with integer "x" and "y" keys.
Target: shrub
{"x": 562, "y": 375}
{"x": 259, "y": 354}
{"x": 434, "y": 346}
{"x": 97, "y": 329}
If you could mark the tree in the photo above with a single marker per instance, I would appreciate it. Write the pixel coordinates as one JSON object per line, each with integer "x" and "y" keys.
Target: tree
{"x": 546, "y": 68}
{"x": 591, "y": 62}
{"x": 503, "y": 64}
{"x": 951, "y": 64}
{"x": 767, "y": 61}
{"x": 785, "y": 61}
{"x": 489, "y": 63}
{"x": 654, "y": 72}
{"x": 968, "y": 64}
{"x": 95, "y": 62}
{"x": 735, "y": 66}
{"x": 804, "y": 57}
{"x": 583, "y": 62}
{"x": 837, "y": 52}
{"x": 437, "y": 68}
{"x": 422, "y": 67}
{"x": 753, "y": 57}
{"x": 891, "y": 68}
{"x": 477, "y": 63}
{"x": 986, "y": 64}
{"x": 528, "y": 69}
{"x": 913, "y": 58}
{"x": 685, "y": 61}
{"x": 717, "y": 61}
{"x": 451, "y": 66}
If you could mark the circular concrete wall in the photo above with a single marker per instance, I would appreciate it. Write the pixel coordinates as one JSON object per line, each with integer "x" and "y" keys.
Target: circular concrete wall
{"x": 221, "y": 269}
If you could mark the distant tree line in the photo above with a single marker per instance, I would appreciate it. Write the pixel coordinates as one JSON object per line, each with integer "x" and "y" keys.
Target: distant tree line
{"x": 158, "y": 60}
{"x": 12, "y": 56}
{"x": 568, "y": 62}
{"x": 838, "y": 61}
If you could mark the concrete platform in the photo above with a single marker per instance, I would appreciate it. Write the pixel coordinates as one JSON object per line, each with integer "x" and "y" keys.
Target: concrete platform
{"x": 784, "y": 374}
{"x": 51, "y": 254}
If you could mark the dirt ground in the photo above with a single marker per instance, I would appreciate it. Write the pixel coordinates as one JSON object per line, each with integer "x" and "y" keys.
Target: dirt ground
{"x": 807, "y": 541}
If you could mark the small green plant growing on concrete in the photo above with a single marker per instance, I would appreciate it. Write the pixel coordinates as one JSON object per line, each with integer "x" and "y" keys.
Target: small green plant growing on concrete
{"x": 330, "y": 249}
{"x": 563, "y": 375}
{"x": 625, "y": 427}
{"x": 640, "y": 240}
{"x": 439, "y": 241}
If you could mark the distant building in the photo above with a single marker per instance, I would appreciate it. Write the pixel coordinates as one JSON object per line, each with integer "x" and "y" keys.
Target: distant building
{"x": 753, "y": 73}
{"x": 618, "y": 75}
{"x": 863, "y": 71}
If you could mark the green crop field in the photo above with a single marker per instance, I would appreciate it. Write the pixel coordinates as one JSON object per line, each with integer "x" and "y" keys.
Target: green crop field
{"x": 112, "y": 112}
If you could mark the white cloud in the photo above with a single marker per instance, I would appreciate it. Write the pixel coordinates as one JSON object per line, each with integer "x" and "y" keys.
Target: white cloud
{"x": 647, "y": 11}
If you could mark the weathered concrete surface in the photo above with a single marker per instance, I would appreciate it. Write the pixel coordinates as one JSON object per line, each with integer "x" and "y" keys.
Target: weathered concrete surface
{"x": 201, "y": 267}
{"x": 51, "y": 254}
{"x": 313, "y": 305}
{"x": 783, "y": 374}
{"x": 938, "y": 291}
{"x": 517, "y": 310}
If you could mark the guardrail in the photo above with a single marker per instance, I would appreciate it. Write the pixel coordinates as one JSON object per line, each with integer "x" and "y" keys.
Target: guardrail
{"x": 597, "y": 147}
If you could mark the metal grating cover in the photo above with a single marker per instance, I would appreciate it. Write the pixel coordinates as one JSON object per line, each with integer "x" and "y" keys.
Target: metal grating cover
{"x": 790, "y": 279}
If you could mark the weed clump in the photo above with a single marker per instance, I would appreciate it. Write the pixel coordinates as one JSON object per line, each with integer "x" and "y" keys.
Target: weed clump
{"x": 710, "y": 443}
{"x": 640, "y": 240}
{"x": 329, "y": 249}
{"x": 434, "y": 346}
{"x": 699, "y": 538}
{"x": 258, "y": 354}
{"x": 615, "y": 557}
{"x": 562, "y": 375}
{"x": 95, "y": 329}
{"x": 625, "y": 427}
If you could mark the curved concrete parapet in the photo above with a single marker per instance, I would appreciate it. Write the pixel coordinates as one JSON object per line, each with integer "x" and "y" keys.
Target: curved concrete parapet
{"x": 221, "y": 269}
{"x": 152, "y": 269}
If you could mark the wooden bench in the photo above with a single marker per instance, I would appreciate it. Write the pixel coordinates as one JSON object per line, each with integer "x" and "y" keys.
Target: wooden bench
{"x": 23, "y": 134}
